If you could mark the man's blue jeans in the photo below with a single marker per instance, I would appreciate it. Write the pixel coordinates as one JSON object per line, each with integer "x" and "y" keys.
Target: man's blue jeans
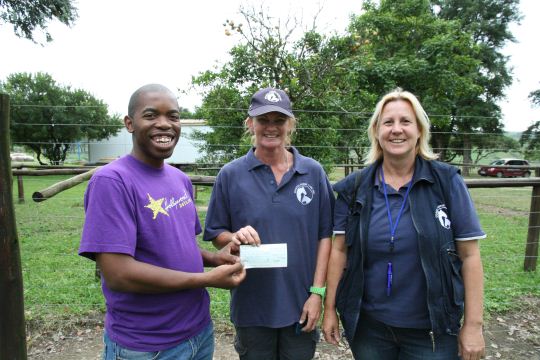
{"x": 375, "y": 340}
{"x": 199, "y": 347}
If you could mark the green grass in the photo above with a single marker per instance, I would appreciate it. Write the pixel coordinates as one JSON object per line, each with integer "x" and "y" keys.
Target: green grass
{"x": 516, "y": 198}
{"x": 504, "y": 216}
{"x": 60, "y": 287}
{"x": 219, "y": 305}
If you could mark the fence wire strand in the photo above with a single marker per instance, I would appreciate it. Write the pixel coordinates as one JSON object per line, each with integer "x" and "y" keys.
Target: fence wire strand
{"x": 62, "y": 228}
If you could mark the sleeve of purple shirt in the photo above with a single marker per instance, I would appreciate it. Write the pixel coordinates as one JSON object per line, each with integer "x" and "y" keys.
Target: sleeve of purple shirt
{"x": 110, "y": 224}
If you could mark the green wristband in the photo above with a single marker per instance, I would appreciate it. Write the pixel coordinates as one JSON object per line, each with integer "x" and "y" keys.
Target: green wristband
{"x": 318, "y": 290}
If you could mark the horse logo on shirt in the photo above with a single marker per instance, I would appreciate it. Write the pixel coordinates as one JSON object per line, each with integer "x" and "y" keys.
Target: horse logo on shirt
{"x": 441, "y": 215}
{"x": 304, "y": 193}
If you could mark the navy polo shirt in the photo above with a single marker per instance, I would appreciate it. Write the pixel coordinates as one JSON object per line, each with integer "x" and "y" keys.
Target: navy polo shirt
{"x": 298, "y": 212}
{"x": 406, "y": 307}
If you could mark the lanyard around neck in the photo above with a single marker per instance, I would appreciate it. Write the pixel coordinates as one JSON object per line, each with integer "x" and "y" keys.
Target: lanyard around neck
{"x": 393, "y": 227}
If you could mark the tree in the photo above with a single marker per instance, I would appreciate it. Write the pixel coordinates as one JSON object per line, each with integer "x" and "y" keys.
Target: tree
{"x": 452, "y": 66}
{"x": 484, "y": 145}
{"x": 307, "y": 69}
{"x": 530, "y": 139}
{"x": 49, "y": 118}
{"x": 535, "y": 97}
{"x": 27, "y": 16}
{"x": 225, "y": 141}
{"x": 488, "y": 22}
{"x": 186, "y": 114}
{"x": 403, "y": 44}
{"x": 335, "y": 81}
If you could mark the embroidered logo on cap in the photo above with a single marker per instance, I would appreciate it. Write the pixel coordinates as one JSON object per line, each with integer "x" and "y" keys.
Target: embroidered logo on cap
{"x": 273, "y": 96}
{"x": 441, "y": 215}
{"x": 304, "y": 193}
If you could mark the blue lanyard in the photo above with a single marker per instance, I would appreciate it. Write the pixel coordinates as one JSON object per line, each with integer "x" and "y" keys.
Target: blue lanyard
{"x": 393, "y": 227}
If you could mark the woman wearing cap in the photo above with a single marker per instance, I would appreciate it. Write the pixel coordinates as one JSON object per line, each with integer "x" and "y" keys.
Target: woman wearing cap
{"x": 274, "y": 195}
{"x": 407, "y": 236}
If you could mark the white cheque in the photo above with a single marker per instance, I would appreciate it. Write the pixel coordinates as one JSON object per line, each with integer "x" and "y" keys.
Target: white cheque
{"x": 264, "y": 256}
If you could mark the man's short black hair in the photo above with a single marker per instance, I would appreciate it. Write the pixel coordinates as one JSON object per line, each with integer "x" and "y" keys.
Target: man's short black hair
{"x": 134, "y": 99}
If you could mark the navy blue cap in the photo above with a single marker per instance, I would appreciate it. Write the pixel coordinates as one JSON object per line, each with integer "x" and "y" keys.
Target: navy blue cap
{"x": 270, "y": 100}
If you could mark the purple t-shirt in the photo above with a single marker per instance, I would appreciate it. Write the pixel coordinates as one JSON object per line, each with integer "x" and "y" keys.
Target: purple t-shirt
{"x": 148, "y": 213}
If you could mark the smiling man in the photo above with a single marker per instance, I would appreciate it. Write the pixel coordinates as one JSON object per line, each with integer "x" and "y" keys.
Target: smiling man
{"x": 140, "y": 227}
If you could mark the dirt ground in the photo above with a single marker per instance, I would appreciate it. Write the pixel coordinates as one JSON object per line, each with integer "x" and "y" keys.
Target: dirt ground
{"x": 514, "y": 335}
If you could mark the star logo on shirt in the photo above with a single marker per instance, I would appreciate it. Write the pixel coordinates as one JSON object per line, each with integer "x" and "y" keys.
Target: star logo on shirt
{"x": 155, "y": 206}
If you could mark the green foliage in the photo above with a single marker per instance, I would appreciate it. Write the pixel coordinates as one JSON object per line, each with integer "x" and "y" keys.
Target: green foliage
{"x": 48, "y": 118}
{"x": 530, "y": 138}
{"x": 535, "y": 97}
{"x": 435, "y": 56}
{"x": 223, "y": 109}
{"x": 186, "y": 114}
{"x": 307, "y": 68}
{"x": 503, "y": 215}
{"x": 484, "y": 145}
{"x": 27, "y": 16}
{"x": 487, "y": 21}
{"x": 452, "y": 63}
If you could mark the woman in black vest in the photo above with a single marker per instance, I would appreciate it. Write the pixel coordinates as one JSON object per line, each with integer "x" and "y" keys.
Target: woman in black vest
{"x": 405, "y": 263}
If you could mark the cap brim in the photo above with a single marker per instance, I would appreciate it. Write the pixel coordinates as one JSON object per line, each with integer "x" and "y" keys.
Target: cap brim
{"x": 268, "y": 109}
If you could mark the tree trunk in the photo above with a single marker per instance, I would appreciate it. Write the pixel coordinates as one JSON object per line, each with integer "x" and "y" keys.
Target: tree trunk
{"x": 64, "y": 152}
{"x": 51, "y": 191}
{"x": 57, "y": 188}
{"x": 467, "y": 158}
{"x": 12, "y": 326}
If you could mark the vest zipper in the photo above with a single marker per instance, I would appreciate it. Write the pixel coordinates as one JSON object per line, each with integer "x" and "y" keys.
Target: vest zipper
{"x": 432, "y": 336}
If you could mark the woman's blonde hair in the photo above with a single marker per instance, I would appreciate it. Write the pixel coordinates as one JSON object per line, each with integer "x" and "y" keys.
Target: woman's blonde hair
{"x": 422, "y": 147}
{"x": 292, "y": 128}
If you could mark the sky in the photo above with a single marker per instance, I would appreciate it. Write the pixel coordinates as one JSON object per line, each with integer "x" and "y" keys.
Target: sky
{"x": 114, "y": 47}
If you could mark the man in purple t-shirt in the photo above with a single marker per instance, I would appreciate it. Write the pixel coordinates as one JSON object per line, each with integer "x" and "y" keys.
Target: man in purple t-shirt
{"x": 140, "y": 228}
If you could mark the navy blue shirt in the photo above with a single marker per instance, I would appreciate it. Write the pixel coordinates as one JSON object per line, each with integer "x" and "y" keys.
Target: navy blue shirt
{"x": 406, "y": 306}
{"x": 298, "y": 212}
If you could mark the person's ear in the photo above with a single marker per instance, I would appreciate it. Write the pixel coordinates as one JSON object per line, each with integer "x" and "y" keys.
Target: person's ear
{"x": 128, "y": 123}
{"x": 249, "y": 124}
{"x": 289, "y": 125}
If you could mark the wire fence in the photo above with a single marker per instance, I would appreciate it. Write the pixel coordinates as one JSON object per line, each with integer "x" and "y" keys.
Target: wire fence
{"x": 61, "y": 286}
{"x": 505, "y": 205}
{"x": 357, "y": 122}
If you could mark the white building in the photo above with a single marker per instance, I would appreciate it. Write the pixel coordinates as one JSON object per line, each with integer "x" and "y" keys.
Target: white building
{"x": 119, "y": 145}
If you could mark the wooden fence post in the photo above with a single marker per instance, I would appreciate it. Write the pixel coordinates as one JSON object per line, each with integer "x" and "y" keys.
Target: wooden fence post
{"x": 12, "y": 327}
{"x": 531, "y": 249}
{"x": 20, "y": 187}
